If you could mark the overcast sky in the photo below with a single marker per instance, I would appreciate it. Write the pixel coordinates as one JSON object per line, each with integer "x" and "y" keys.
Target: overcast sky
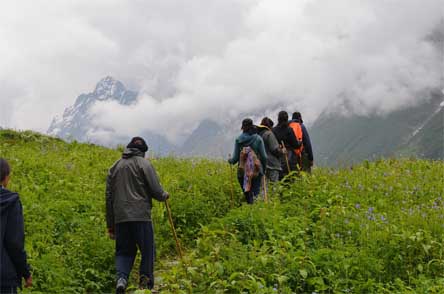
{"x": 215, "y": 59}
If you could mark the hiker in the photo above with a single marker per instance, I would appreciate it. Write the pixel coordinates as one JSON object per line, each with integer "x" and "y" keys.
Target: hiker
{"x": 304, "y": 154}
{"x": 13, "y": 262}
{"x": 285, "y": 135}
{"x": 249, "y": 151}
{"x": 272, "y": 148}
{"x": 131, "y": 184}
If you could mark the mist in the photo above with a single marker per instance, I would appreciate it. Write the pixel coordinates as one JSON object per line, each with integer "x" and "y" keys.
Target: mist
{"x": 218, "y": 60}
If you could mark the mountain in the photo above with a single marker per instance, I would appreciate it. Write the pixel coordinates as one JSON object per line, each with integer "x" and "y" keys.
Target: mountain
{"x": 413, "y": 131}
{"x": 209, "y": 139}
{"x": 76, "y": 122}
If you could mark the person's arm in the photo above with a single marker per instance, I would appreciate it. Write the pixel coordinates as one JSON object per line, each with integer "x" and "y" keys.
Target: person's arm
{"x": 154, "y": 187}
{"x": 307, "y": 143}
{"x": 262, "y": 153}
{"x": 109, "y": 204}
{"x": 14, "y": 241}
{"x": 275, "y": 148}
{"x": 236, "y": 153}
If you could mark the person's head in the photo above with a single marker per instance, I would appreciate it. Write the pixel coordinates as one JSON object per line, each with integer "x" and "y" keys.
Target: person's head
{"x": 282, "y": 117}
{"x": 247, "y": 125}
{"x": 5, "y": 170}
{"x": 266, "y": 121}
{"x": 138, "y": 143}
{"x": 297, "y": 116}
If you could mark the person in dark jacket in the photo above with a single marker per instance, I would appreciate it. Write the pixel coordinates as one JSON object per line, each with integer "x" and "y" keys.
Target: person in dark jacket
{"x": 13, "y": 264}
{"x": 131, "y": 184}
{"x": 273, "y": 149}
{"x": 306, "y": 160}
{"x": 285, "y": 135}
{"x": 249, "y": 138}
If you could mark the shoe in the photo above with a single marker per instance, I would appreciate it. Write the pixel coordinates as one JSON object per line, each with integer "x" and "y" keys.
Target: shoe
{"x": 121, "y": 286}
{"x": 145, "y": 283}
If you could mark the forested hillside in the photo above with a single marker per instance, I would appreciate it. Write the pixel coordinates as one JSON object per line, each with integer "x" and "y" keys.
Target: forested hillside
{"x": 377, "y": 227}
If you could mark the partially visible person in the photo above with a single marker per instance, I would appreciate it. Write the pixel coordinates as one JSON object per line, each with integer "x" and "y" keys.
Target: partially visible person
{"x": 13, "y": 263}
{"x": 131, "y": 184}
{"x": 285, "y": 136}
{"x": 272, "y": 148}
{"x": 304, "y": 154}
{"x": 249, "y": 152}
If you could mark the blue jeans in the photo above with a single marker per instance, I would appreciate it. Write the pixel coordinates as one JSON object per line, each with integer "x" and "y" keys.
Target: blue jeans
{"x": 129, "y": 237}
{"x": 8, "y": 290}
{"x": 255, "y": 187}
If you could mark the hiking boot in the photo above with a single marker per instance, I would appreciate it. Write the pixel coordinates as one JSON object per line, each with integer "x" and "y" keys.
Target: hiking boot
{"x": 145, "y": 283}
{"x": 121, "y": 286}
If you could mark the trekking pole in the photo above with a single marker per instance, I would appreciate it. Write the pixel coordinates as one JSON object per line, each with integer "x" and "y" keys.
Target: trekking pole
{"x": 286, "y": 157}
{"x": 178, "y": 247}
{"x": 265, "y": 190}
{"x": 231, "y": 185}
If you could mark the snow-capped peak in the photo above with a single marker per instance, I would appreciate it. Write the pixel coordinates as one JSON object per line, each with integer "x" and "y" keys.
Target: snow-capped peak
{"x": 108, "y": 87}
{"x": 76, "y": 120}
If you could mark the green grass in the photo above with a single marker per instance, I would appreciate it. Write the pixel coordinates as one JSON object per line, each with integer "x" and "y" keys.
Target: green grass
{"x": 375, "y": 228}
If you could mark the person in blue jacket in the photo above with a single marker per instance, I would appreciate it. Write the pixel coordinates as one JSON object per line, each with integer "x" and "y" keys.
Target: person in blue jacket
{"x": 250, "y": 138}
{"x": 13, "y": 262}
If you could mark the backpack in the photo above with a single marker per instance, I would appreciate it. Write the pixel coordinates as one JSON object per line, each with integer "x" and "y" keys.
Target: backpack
{"x": 249, "y": 162}
{"x": 297, "y": 130}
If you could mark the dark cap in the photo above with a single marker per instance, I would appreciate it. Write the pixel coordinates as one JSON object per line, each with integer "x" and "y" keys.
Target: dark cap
{"x": 139, "y": 143}
{"x": 247, "y": 124}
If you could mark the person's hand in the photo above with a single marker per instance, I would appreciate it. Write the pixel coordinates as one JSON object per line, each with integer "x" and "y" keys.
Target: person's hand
{"x": 311, "y": 163}
{"x": 28, "y": 282}
{"x": 111, "y": 234}
{"x": 167, "y": 196}
{"x": 284, "y": 150}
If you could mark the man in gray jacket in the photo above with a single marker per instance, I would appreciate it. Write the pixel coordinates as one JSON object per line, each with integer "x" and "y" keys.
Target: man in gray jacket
{"x": 273, "y": 149}
{"x": 131, "y": 184}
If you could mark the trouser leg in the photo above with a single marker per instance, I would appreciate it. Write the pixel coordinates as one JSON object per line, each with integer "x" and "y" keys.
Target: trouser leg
{"x": 125, "y": 250}
{"x": 8, "y": 290}
{"x": 144, "y": 235}
{"x": 272, "y": 175}
{"x": 306, "y": 164}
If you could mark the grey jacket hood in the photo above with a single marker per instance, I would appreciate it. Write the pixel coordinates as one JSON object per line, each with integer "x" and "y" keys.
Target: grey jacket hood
{"x": 246, "y": 139}
{"x": 130, "y": 152}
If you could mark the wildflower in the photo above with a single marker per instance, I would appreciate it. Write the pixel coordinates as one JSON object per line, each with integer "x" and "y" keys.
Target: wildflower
{"x": 370, "y": 210}
{"x": 383, "y": 218}
{"x": 357, "y": 205}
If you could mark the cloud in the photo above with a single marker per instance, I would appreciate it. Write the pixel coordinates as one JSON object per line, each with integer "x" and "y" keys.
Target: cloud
{"x": 195, "y": 60}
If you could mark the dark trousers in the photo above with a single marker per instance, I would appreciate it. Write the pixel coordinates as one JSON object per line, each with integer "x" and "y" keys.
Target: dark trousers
{"x": 8, "y": 290}
{"x": 255, "y": 187}
{"x": 129, "y": 237}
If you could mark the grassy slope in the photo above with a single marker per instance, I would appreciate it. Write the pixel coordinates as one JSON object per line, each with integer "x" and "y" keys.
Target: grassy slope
{"x": 376, "y": 228}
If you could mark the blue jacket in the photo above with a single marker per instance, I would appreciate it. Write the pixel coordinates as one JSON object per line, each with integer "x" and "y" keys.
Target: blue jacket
{"x": 13, "y": 263}
{"x": 255, "y": 142}
{"x": 305, "y": 140}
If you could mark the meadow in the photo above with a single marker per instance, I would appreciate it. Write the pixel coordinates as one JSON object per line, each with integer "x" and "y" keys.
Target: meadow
{"x": 376, "y": 227}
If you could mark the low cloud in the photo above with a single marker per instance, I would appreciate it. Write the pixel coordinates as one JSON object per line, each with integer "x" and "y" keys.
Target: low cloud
{"x": 217, "y": 59}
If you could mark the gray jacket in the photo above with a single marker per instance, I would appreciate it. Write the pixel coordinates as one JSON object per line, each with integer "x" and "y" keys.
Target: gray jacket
{"x": 131, "y": 184}
{"x": 271, "y": 147}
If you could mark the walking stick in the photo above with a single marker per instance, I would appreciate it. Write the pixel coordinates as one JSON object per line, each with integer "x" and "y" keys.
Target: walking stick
{"x": 286, "y": 157}
{"x": 231, "y": 185}
{"x": 265, "y": 190}
{"x": 178, "y": 247}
